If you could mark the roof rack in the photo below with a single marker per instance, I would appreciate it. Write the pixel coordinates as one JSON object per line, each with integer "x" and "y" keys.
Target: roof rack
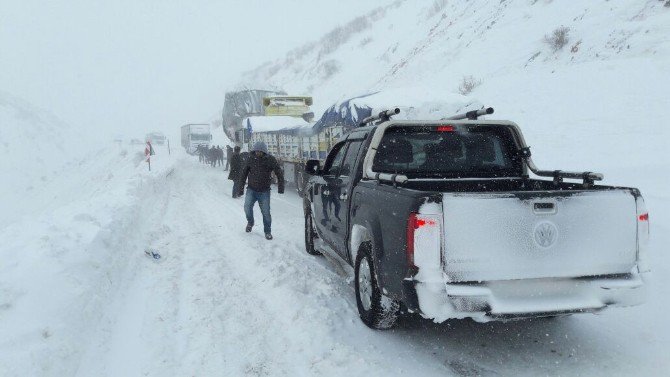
{"x": 381, "y": 117}
{"x": 471, "y": 115}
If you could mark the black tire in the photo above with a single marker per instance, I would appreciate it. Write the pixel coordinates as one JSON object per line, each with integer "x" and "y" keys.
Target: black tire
{"x": 382, "y": 312}
{"x": 299, "y": 186}
{"x": 310, "y": 234}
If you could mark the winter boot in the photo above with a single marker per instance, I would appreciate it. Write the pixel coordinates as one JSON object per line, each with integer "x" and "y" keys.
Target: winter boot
{"x": 248, "y": 229}
{"x": 268, "y": 236}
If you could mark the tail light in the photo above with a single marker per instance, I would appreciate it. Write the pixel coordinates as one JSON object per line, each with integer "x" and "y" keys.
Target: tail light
{"x": 642, "y": 235}
{"x": 424, "y": 240}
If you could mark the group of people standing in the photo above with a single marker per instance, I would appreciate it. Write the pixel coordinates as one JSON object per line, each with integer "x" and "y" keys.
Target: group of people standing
{"x": 255, "y": 170}
{"x": 212, "y": 156}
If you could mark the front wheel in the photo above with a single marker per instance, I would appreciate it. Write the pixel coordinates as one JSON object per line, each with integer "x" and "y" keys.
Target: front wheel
{"x": 376, "y": 310}
{"x": 310, "y": 234}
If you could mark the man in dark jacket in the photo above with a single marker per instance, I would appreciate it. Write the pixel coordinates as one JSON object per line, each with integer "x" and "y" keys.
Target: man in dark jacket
{"x": 235, "y": 171}
{"x": 258, "y": 169}
{"x": 229, "y": 155}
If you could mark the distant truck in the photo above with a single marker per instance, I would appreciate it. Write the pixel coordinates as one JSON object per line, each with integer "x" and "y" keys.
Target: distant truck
{"x": 193, "y": 135}
{"x": 242, "y": 104}
{"x": 443, "y": 218}
{"x": 156, "y": 138}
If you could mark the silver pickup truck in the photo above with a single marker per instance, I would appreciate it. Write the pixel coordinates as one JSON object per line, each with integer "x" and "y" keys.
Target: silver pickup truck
{"x": 443, "y": 218}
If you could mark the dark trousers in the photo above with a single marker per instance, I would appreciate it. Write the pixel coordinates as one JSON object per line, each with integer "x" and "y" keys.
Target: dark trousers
{"x": 237, "y": 185}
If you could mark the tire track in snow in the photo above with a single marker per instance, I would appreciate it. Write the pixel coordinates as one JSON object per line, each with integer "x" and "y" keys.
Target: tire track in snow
{"x": 285, "y": 312}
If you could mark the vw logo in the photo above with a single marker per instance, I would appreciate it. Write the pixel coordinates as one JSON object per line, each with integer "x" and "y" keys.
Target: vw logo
{"x": 545, "y": 234}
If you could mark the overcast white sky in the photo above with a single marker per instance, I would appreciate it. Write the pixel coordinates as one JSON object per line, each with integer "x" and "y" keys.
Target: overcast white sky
{"x": 129, "y": 66}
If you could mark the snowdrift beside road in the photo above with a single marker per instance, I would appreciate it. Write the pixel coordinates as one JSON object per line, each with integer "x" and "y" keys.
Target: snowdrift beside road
{"x": 59, "y": 266}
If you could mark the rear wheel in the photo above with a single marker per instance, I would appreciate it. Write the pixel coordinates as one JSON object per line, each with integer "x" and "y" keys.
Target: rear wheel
{"x": 376, "y": 310}
{"x": 310, "y": 234}
{"x": 299, "y": 183}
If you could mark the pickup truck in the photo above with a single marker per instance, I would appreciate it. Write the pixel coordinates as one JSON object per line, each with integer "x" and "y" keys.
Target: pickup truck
{"x": 443, "y": 218}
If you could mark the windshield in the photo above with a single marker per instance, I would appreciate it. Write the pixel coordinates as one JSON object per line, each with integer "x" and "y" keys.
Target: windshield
{"x": 466, "y": 151}
{"x": 201, "y": 137}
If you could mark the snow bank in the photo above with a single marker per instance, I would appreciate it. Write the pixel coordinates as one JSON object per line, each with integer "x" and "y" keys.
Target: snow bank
{"x": 275, "y": 123}
{"x": 59, "y": 266}
{"x": 35, "y": 147}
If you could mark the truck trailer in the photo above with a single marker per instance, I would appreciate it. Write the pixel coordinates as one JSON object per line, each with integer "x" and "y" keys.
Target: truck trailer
{"x": 294, "y": 141}
{"x": 193, "y": 135}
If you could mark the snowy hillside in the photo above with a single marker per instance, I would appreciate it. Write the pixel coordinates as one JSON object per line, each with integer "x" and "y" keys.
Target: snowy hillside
{"x": 35, "y": 148}
{"x": 441, "y": 42}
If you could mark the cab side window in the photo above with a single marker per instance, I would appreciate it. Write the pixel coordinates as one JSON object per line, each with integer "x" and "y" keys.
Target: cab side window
{"x": 350, "y": 158}
{"x": 334, "y": 161}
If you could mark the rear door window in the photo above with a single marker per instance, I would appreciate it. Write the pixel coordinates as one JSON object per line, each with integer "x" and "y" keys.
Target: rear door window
{"x": 459, "y": 151}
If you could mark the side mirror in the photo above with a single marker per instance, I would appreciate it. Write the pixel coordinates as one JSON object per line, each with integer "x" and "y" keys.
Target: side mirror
{"x": 313, "y": 167}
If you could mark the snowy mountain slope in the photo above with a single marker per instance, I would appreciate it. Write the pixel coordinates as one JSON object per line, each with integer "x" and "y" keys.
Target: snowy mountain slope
{"x": 440, "y": 42}
{"x": 35, "y": 148}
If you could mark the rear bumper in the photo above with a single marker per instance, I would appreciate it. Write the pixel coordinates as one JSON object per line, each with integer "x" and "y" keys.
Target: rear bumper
{"x": 513, "y": 299}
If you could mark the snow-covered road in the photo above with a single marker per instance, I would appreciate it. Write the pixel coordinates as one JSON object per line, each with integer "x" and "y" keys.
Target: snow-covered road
{"x": 224, "y": 302}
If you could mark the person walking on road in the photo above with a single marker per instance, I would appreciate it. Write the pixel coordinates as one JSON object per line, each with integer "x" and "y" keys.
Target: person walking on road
{"x": 201, "y": 153}
{"x": 259, "y": 170}
{"x": 219, "y": 156}
{"x": 235, "y": 170}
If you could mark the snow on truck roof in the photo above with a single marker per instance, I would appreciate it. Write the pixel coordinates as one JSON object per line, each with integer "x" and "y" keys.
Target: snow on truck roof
{"x": 415, "y": 103}
{"x": 275, "y": 123}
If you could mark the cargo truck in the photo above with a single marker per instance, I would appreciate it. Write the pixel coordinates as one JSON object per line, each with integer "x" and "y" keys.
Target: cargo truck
{"x": 193, "y": 135}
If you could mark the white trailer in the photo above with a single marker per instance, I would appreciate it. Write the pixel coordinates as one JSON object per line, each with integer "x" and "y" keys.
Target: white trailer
{"x": 193, "y": 135}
